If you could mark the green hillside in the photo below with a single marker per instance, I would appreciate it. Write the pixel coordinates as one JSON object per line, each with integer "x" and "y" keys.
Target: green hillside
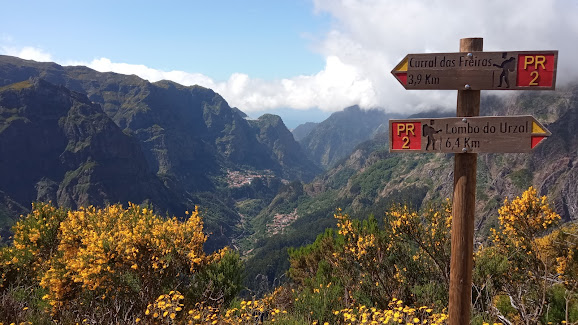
{"x": 371, "y": 179}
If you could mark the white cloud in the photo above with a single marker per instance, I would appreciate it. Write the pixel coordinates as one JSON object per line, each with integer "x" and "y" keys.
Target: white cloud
{"x": 333, "y": 88}
{"x": 185, "y": 78}
{"x": 337, "y": 86}
{"x": 27, "y": 53}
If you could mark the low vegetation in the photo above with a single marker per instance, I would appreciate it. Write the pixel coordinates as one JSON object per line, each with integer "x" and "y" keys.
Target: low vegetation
{"x": 120, "y": 265}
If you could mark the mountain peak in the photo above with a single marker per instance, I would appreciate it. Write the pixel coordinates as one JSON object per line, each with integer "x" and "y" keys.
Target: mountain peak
{"x": 354, "y": 108}
{"x": 271, "y": 119}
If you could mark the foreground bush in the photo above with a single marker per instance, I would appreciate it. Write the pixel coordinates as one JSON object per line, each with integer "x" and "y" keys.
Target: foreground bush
{"x": 106, "y": 265}
{"x": 527, "y": 273}
{"x": 363, "y": 263}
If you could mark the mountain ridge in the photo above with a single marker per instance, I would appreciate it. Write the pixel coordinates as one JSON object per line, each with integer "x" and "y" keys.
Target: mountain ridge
{"x": 188, "y": 138}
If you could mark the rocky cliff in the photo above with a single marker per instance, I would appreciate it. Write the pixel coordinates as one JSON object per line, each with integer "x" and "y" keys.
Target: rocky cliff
{"x": 107, "y": 138}
{"x": 56, "y": 145}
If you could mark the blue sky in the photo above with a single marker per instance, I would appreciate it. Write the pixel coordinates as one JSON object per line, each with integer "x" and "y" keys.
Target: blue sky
{"x": 305, "y": 58}
{"x": 268, "y": 39}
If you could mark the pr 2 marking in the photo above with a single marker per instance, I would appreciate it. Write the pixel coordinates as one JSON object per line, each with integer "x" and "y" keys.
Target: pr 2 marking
{"x": 405, "y": 143}
{"x": 536, "y": 75}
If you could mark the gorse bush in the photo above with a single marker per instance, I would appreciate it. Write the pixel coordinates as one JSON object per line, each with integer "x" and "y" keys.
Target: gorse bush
{"x": 406, "y": 259}
{"x": 112, "y": 262}
{"x": 520, "y": 273}
{"x": 35, "y": 242}
{"x": 116, "y": 251}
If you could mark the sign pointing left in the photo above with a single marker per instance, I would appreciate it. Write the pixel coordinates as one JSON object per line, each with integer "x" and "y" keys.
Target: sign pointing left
{"x": 522, "y": 70}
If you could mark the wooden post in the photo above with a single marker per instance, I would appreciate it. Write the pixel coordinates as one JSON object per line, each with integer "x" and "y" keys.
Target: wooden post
{"x": 464, "y": 204}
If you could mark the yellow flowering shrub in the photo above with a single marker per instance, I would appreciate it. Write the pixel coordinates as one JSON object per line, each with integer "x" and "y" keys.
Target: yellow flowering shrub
{"x": 364, "y": 264}
{"x": 34, "y": 241}
{"x": 525, "y": 218}
{"x": 428, "y": 231}
{"x": 114, "y": 261}
{"x": 563, "y": 247}
{"x": 516, "y": 271}
{"x": 363, "y": 260}
{"x": 114, "y": 251}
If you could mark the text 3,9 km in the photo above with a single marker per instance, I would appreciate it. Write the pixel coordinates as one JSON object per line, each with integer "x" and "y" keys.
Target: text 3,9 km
{"x": 418, "y": 78}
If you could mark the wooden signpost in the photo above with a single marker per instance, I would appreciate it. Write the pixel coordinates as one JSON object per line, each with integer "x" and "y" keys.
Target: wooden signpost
{"x": 470, "y": 71}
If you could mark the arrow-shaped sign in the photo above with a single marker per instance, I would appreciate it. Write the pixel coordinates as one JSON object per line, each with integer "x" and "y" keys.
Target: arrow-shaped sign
{"x": 479, "y": 70}
{"x": 466, "y": 134}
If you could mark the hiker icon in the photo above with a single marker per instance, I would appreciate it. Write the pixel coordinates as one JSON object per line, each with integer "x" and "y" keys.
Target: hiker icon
{"x": 429, "y": 132}
{"x": 507, "y": 66}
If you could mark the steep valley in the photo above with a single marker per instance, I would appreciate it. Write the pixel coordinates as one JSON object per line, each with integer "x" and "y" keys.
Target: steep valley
{"x": 371, "y": 179}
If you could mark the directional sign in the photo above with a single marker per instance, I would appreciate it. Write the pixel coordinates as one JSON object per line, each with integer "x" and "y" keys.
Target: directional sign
{"x": 479, "y": 70}
{"x": 466, "y": 134}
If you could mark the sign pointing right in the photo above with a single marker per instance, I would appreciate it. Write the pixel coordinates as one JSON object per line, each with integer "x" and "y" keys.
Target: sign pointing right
{"x": 467, "y": 134}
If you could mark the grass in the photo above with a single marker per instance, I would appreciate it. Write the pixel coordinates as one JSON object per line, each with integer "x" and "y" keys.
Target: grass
{"x": 17, "y": 86}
